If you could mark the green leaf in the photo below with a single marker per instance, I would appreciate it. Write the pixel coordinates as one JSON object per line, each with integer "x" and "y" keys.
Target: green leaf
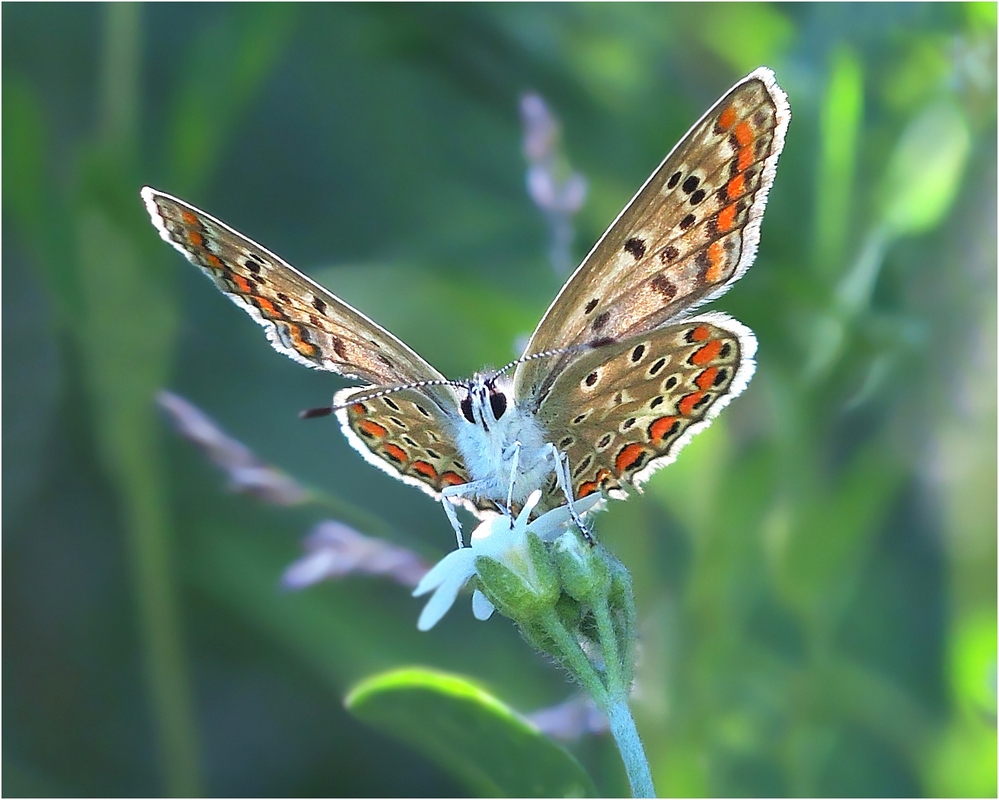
{"x": 925, "y": 170}
{"x": 483, "y": 743}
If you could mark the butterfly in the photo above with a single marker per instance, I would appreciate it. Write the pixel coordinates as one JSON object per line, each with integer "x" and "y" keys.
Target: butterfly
{"x": 619, "y": 374}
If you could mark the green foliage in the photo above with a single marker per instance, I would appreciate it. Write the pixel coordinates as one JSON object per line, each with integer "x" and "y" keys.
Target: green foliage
{"x": 489, "y": 749}
{"x": 815, "y": 576}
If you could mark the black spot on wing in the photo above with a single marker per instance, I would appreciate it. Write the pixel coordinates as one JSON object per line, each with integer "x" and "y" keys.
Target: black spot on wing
{"x": 664, "y": 286}
{"x": 339, "y": 347}
{"x": 635, "y": 246}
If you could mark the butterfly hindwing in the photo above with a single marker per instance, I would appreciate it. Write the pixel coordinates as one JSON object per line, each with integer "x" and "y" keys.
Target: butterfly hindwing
{"x": 623, "y": 410}
{"x": 301, "y": 318}
{"x": 406, "y": 434}
{"x": 689, "y": 233}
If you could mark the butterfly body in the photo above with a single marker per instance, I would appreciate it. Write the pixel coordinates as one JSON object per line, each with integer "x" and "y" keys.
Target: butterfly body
{"x": 472, "y": 443}
{"x": 619, "y": 374}
{"x": 493, "y": 432}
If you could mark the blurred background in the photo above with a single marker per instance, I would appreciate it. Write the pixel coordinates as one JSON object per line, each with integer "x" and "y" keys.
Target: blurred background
{"x": 816, "y": 574}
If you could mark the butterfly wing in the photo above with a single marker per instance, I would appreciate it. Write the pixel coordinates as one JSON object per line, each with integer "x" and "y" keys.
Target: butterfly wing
{"x": 623, "y": 410}
{"x": 689, "y": 233}
{"x": 301, "y": 319}
{"x": 407, "y": 436}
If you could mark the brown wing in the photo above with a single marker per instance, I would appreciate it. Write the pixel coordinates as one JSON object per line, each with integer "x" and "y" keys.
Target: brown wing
{"x": 623, "y": 410}
{"x": 301, "y": 319}
{"x": 407, "y": 435}
{"x": 689, "y": 233}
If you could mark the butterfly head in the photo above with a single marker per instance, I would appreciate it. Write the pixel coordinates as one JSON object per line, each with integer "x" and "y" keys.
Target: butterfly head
{"x": 487, "y": 397}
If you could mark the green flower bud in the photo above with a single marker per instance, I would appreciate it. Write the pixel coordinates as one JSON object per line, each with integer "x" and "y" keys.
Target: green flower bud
{"x": 524, "y": 584}
{"x": 583, "y": 568}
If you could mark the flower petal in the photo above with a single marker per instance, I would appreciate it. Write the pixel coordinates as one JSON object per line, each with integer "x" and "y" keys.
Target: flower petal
{"x": 552, "y": 524}
{"x": 482, "y": 607}
{"x": 441, "y": 600}
{"x": 462, "y": 561}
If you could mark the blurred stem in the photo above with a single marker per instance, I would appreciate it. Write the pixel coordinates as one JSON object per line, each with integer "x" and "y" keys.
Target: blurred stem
{"x": 852, "y": 297}
{"x": 120, "y": 75}
{"x": 840, "y": 126}
{"x": 350, "y": 513}
{"x": 132, "y": 460}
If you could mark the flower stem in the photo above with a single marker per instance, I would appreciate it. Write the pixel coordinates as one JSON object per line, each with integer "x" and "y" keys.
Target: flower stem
{"x": 574, "y": 659}
{"x": 608, "y": 642}
{"x": 625, "y": 733}
{"x": 612, "y": 699}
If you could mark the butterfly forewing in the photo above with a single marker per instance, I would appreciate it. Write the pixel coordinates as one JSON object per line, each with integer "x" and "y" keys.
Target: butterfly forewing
{"x": 689, "y": 233}
{"x": 623, "y": 410}
{"x": 301, "y": 319}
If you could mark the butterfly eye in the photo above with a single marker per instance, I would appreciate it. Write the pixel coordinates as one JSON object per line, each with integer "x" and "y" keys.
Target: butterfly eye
{"x": 497, "y": 400}
{"x": 466, "y": 408}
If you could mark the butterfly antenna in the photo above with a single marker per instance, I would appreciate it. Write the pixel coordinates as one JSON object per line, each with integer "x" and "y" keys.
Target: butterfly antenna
{"x": 558, "y": 351}
{"x": 324, "y": 411}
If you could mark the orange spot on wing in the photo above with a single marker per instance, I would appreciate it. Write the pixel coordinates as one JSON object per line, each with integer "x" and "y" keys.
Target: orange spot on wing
{"x": 589, "y": 487}
{"x": 700, "y": 333}
{"x": 425, "y": 469}
{"x": 452, "y": 479}
{"x": 745, "y": 158}
{"x": 736, "y": 186}
{"x": 743, "y": 133}
{"x": 213, "y": 261}
{"x": 372, "y": 428}
{"x": 662, "y": 428}
{"x": 726, "y": 217}
{"x": 727, "y": 118}
{"x": 706, "y": 354}
{"x": 307, "y": 349}
{"x": 195, "y": 238}
{"x": 628, "y": 457}
{"x": 189, "y": 218}
{"x": 266, "y": 306}
{"x": 707, "y": 378}
{"x": 686, "y": 405}
{"x": 395, "y": 452}
{"x": 359, "y": 408}
{"x": 241, "y": 283}
{"x": 716, "y": 260}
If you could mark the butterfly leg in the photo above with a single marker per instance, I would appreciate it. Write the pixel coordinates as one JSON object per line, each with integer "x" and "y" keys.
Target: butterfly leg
{"x": 452, "y": 517}
{"x": 515, "y": 458}
{"x": 470, "y": 489}
{"x": 562, "y": 475}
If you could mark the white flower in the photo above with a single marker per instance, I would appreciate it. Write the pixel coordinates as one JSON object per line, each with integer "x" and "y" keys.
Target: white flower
{"x": 500, "y": 538}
